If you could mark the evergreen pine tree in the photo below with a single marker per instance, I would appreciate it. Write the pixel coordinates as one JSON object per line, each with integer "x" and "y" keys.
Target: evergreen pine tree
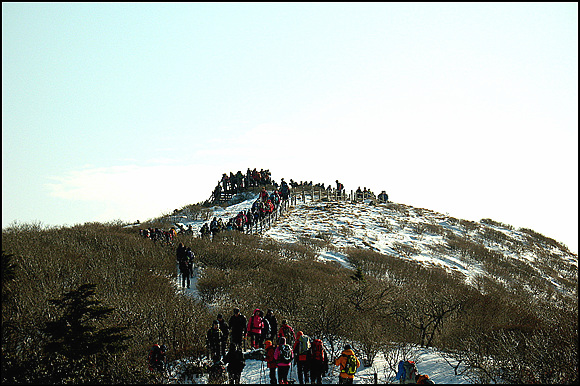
{"x": 77, "y": 347}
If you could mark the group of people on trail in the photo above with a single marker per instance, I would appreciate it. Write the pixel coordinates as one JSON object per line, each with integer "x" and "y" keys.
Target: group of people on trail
{"x": 235, "y": 183}
{"x": 184, "y": 256}
{"x": 265, "y": 205}
{"x": 157, "y": 234}
{"x": 280, "y": 347}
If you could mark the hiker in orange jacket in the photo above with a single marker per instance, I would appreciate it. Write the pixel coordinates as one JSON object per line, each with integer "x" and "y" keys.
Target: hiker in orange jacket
{"x": 346, "y": 371}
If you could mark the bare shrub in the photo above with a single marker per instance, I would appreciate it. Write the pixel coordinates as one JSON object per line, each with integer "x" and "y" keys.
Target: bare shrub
{"x": 538, "y": 238}
{"x": 498, "y": 224}
{"x": 404, "y": 249}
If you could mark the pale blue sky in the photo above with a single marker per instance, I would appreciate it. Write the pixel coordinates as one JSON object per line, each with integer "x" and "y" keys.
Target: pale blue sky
{"x": 127, "y": 111}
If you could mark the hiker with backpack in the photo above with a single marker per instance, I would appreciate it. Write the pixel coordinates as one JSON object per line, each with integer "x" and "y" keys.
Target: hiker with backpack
{"x": 339, "y": 188}
{"x": 190, "y": 256}
{"x": 216, "y": 343}
{"x": 224, "y": 327}
{"x": 302, "y": 356}
{"x": 348, "y": 363}
{"x": 255, "y": 326}
{"x": 204, "y": 230}
{"x": 235, "y": 363}
{"x": 271, "y": 362}
{"x": 237, "y": 325}
{"x": 283, "y": 356}
{"x": 263, "y": 194}
{"x": 407, "y": 372}
{"x": 271, "y": 318}
{"x": 214, "y": 226}
{"x": 265, "y": 330}
{"x": 184, "y": 266}
{"x": 287, "y": 332}
{"x": 318, "y": 361}
{"x": 383, "y": 197}
{"x": 157, "y": 358}
{"x": 284, "y": 190}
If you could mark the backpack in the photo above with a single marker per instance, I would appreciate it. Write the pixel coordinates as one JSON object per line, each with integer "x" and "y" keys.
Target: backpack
{"x": 410, "y": 371}
{"x": 303, "y": 347}
{"x": 350, "y": 366}
{"x": 287, "y": 333}
{"x": 303, "y": 344}
{"x": 285, "y": 353}
{"x": 318, "y": 353}
{"x": 266, "y": 328}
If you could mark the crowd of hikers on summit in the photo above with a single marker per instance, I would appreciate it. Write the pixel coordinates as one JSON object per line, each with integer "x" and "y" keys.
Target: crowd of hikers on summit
{"x": 235, "y": 183}
{"x": 265, "y": 206}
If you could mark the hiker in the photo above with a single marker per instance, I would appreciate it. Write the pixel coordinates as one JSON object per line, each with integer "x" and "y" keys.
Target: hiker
{"x": 283, "y": 355}
{"x": 184, "y": 266}
{"x": 359, "y": 194}
{"x": 157, "y": 358}
{"x": 284, "y": 190}
{"x": 287, "y": 332}
{"x": 407, "y": 372}
{"x": 302, "y": 356}
{"x": 383, "y": 197}
{"x": 223, "y": 326}
{"x": 339, "y": 188}
{"x": 180, "y": 252}
{"x": 273, "y": 324}
{"x": 263, "y": 194}
{"x": 238, "y": 325}
{"x": 265, "y": 334}
{"x": 249, "y": 221}
{"x": 271, "y": 362}
{"x": 215, "y": 342}
{"x": 255, "y": 326}
{"x": 318, "y": 361}
{"x": 214, "y": 227}
{"x": 235, "y": 361}
{"x": 190, "y": 256}
{"x": 204, "y": 230}
{"x": 348, "y": 363}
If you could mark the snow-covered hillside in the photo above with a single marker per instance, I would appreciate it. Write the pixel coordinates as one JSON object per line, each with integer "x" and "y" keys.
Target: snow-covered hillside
{"x": 422, "y": 235}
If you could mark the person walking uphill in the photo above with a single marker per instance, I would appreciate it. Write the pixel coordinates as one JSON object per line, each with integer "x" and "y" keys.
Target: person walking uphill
{"x": 184, "y": 266}
{"x": 238, "y": 325}
{"x": 255, "y": 326}
{"x": 216, "y": 343}
{"x": 236, "y": 363}
{"x": 348, "y": 363}
{"x": 287, "y": 332}
{"x": 271, "y": 318}
{"x": 318, "y": 361}
{"x": 302, "y": 356}
{"x": 272, "y": 365}
{"x": 283, "y": 355}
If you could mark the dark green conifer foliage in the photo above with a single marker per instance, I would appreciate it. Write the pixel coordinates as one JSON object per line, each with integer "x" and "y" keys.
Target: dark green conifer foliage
{"x": 78, "y": 350}
{"x": 75, "y": 333}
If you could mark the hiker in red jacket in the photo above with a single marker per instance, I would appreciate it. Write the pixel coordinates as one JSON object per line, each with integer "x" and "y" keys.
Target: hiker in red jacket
{"x": 255, "y": 326}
